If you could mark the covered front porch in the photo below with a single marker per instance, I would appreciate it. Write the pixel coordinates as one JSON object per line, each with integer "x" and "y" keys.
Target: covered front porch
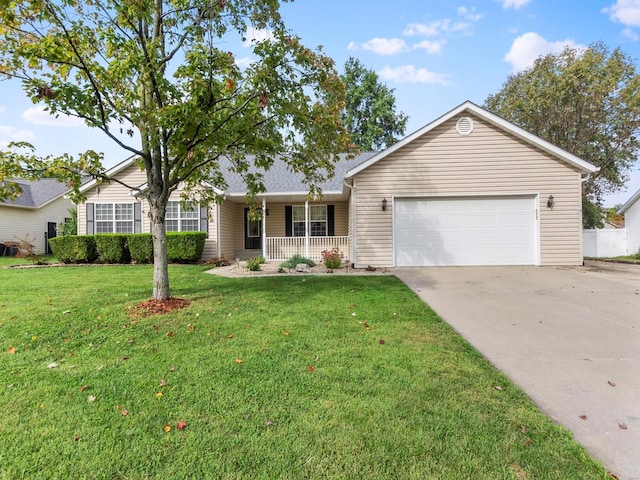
{"x": 288, "y": 226}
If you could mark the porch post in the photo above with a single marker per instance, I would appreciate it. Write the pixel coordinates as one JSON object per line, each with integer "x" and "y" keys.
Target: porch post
{"x": 306, "y": 228}
{"x": 264, "y": 229}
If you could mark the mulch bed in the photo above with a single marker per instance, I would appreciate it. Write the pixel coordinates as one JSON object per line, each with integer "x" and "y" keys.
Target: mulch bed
{"x": 157, "y": 307}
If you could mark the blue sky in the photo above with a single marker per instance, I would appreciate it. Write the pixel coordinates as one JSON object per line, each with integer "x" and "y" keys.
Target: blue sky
{"x": 435, "y": 54}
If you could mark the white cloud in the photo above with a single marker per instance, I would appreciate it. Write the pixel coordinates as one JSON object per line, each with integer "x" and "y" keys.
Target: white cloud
{"x": 244, "y": 62}
{"x": 429, "y": 46}
{"x": 431, "y": 29}
{"x": 386, "y": 46}
{"x": 39, "y": 116}
{"x": 352, "y": 46}
{"x": 411, "y": 74}
{"x": 630, "y": 34}
{"x": 255, "y": 35}
{"x": 626, "y": 12}
{"x": 470, "y": 15}
{"x": 529, "y": 46}
{"x": 515, "y": 4}
{"x": 10, "y": 134}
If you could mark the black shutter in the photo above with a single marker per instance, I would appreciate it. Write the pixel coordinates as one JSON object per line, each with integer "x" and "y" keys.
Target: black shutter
{"x": 137, "y": 218}
{"x": 204, "y": 219}
{"x": 331, "y": 224}
{"x": 90, "y": 222}
{"x": 288, "y": 221}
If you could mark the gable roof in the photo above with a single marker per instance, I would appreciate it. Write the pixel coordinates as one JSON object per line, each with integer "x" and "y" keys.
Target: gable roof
{"x": 37, "y": 193}
{"x": 278, "y": 179}
{"x": 491, "y": 118}
{"x": 634, "y": 198}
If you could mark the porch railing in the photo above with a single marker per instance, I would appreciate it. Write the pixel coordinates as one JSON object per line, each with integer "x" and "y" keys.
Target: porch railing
{"x": 281, "y": 248}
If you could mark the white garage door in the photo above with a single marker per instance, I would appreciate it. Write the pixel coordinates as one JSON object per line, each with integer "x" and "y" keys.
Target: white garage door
{"x": 465, "y": 231}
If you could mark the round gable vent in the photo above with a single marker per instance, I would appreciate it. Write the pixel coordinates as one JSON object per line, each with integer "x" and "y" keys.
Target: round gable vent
{"x": 464, "y": 126}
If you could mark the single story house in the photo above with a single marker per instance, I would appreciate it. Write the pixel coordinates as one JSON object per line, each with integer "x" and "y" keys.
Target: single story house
{"x": 35, "y": 214}
{"x": 469, "y": 188}
{"x": 631, "y": 212}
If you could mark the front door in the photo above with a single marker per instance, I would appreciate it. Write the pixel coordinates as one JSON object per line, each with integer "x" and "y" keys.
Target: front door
{"x": 252, "y": 232}
{"x": 52, "y": 232}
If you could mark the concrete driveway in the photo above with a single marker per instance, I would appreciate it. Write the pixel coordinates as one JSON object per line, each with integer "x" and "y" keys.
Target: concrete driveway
{"x": 568, "y": 336}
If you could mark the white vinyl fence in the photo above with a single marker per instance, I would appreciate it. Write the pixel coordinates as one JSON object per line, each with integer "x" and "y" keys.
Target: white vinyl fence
{"x": 604, "y": 242}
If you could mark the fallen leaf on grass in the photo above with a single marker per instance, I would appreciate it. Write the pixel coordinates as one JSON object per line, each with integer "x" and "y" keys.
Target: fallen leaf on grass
{"x": 52, "y": 365}
{"x": 238, "y": 360}
{"x": 269, "y": 423}
{"x": 498, "y": 387}
{"x": 622, "y": 426}
{"x": 286, "y": 333}
{"x": 172, "y": 369}
{"x": 76, "y": 437}
{"x": 583, "y": 417}
{"x": 12, "y": 350}
{"x": 611, "y": 383}
{"x": 84, "y": 387}
{"x": 382, "y": 342}
{"x": 310, "y": 368}
{"x": 163, "y": 383}
{"x": 91, "y": 398}
{"x": 181, "y": 425}
{"x": 167, "y": 428}
{"x": 159, "y": 394}
{"x": 124, "y": 412}
{"x": 230, "y": 336}
{"x": 191, "y": 327}
{"x": 171, "y": 334}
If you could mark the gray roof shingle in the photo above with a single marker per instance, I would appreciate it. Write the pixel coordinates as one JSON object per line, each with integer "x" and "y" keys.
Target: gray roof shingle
{"x": 36, "y": 193}
{"x": 280, "y": 179}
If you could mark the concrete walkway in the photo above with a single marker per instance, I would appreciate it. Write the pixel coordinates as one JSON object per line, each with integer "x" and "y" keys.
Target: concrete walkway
{"x": 568, "y": 336}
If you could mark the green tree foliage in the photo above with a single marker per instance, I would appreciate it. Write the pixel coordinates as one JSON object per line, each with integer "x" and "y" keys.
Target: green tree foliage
{"x": 586, "y": 101}
{"x": 157, "y": 77}
{"x": 370, "y": 112}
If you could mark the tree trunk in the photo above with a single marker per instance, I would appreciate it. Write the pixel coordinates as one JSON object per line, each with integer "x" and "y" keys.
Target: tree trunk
{"x": 160, "y": 262}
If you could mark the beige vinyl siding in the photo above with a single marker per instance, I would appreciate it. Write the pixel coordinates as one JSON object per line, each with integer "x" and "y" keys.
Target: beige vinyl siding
{"x": 116, "y": 193}
{"x": 486, "y": 162}
{"x": 276, "y": 219}
{"x": 228, "y": 219}
{"x": 17, "y": 223}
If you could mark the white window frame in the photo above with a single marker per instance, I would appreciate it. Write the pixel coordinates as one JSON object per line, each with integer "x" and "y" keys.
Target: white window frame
{"x": 113, "y": 218}
{"x": 183, "y": 217}
{"x": 311, "y": 221}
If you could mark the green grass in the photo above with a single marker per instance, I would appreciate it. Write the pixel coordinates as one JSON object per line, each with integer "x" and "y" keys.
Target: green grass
{"x": 276, "y": 377}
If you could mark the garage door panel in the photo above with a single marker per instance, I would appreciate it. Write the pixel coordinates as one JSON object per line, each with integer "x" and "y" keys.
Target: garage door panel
{"x": 465, "y": 231}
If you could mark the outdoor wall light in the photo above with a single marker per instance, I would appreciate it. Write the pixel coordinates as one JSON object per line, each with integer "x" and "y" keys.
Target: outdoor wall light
{"x": 550, "y": 201}
{"x": 384, "y": 204}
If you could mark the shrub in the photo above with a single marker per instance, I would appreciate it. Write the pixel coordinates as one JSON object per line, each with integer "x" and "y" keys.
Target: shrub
{"x": 332, "y": 258}
{"x": 291, "y": 262}
{"x": 140, "y": 247}
{"x": 74, "y": 248}
{"x": 112, "y": 248}
{"x": 185, "y": 247}
{"x": 217, "y": 262}
{"x": 254, "y": 263}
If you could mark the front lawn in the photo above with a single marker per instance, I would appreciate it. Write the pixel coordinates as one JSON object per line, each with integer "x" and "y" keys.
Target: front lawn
{"x": 273, "y": 377}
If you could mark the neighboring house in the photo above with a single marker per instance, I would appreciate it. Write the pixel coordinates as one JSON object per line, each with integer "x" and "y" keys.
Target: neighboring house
{"x": 631, "y": 212}
{"x": 467, "y": 189}
{"x": 35, "y": 214}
